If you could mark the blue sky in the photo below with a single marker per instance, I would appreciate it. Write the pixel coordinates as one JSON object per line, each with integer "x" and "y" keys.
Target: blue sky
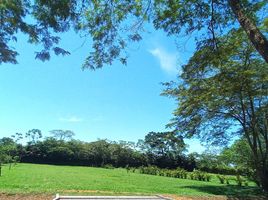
{"x": 116, "y": 102}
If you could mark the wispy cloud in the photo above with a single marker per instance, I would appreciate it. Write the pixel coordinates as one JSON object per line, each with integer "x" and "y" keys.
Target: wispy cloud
{"x": 168, "y": 61}
{"x": 71, "y": 119}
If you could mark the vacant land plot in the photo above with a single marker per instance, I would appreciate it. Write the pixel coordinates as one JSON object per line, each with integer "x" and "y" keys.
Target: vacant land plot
{"x": 48, "y": 179}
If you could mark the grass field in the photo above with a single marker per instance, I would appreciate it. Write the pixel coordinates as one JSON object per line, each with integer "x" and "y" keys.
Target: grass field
{"x": 33, "y": 178}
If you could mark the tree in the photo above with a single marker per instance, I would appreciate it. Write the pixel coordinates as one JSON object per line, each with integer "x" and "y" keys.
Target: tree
{"x": 17, "y": 137}
{"x": 33, "y": 135}
{"x": 162, "y": 143}
{"x": 62, "y": 134}
{"x": 7, "y": 152}
{"x": 225, "y": 94}
{"x": 100, "y": 152}
{"x": 113, "y": 24}
{"x": 164, "y": 149}
{"x": 257, "y": 38}
{"x": 240, "y": 156}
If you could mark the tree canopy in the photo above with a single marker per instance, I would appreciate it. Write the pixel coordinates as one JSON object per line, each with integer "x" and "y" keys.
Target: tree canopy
{"x": 112, "y": 25}
{"x": 224, "y": 94}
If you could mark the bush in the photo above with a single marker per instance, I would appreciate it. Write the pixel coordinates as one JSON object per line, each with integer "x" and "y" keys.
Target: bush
{"x": 246, "y": 183}
{"x": 162, "y": 172}
{"x": 239, "y": 180}
{"x": 180, "y": 173}
{"x": 221, "y": 178}
{"x": 191, "y": 174}
{"x": 207, "y": 177}
{"x": 152, "y": 170}
{"x": 130, "y": 169}
{"x": 199, "y": 175}
{"x": 227, "y": 180}
{"x": 177, "y": 173}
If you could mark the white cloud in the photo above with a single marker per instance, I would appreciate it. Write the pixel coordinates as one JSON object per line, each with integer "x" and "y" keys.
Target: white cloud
{"x": 70, "y": 119}
{"x": 168, "y": 61}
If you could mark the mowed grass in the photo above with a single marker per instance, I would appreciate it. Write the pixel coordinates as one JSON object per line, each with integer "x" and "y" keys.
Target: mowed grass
{"x": 34, "y": 178}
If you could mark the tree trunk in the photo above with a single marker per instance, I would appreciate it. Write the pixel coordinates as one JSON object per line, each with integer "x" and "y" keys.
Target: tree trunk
{"x": 258, "y": 40}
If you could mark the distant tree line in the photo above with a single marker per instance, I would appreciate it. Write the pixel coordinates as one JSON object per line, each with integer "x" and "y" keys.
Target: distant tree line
{"x": 164, "y": 150}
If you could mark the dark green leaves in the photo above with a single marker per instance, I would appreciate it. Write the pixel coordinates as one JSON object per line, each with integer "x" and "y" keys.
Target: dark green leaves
{"x": 217, "y": 89}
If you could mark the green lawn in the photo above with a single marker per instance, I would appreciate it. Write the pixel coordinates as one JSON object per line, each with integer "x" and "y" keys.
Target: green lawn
{"x": 33, "y": 178}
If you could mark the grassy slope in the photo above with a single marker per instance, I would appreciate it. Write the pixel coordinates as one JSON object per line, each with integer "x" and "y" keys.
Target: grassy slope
{"x": 32, "y": 178}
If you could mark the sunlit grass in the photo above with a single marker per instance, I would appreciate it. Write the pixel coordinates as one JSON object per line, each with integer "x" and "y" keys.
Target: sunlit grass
{"x": 33, "y": 178}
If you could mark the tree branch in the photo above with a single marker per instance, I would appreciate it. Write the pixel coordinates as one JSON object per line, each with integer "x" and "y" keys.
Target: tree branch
{"x": 258, "y": 40}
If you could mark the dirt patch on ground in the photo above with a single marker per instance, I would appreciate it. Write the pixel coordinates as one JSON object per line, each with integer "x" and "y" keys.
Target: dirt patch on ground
{"x": 26, "y": 197}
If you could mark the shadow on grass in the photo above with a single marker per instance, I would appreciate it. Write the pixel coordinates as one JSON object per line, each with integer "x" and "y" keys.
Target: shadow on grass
{"x": 232, "y": 192}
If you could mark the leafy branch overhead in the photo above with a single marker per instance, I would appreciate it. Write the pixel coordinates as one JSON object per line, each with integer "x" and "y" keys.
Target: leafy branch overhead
{"x": 113, "y": 25}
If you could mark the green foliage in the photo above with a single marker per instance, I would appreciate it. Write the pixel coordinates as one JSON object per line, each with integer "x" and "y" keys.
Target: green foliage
{"x": 221, "y": 178}
{"x": 199, "y": 175}
{"x": 165, "y": 143}
{"x": 246, "y": 183}
{"x": 191, "y": 175}
{"x": 207, "y": 177}
{"x": 266, "y": 23}
{"x": 152, "y": 170}
{"x": 215, "y": 105}
{"x": 61, "y": 149}
{"x": 166, "y": 150}
{"x": 227, "y": 181}
{"x": 47, "y": 19}
{"x": 238, "y": 154}
{"x": 176, "y": 173}
{"x": 239, "y": 180}
{"x": 112, "y": 26}
{"x": 7, "y": 152}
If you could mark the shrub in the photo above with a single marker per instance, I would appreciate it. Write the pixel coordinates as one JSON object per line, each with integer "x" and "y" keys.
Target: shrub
{"x": 221, "y": 178}
{"x": 152, "y": 170}
{"x": 130, "y": 169}
{"x": 180, "y": 173}
{"x": 191, "y": 174}
{"x": 162, "y": 172}
{"x": 207, "y": 177}
{"x": 199, "y": 175}
{"x": 239, "y": 180}
{"x": 227, "y": 181}
{"x": 169, "y": 173}
{"x": 246, "y": 183}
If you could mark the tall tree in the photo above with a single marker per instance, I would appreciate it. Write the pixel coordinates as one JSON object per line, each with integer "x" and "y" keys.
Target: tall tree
{"x": 223, "y": 94}
{"x": 33, "y": 135}
{"x": 62, "y": 134}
